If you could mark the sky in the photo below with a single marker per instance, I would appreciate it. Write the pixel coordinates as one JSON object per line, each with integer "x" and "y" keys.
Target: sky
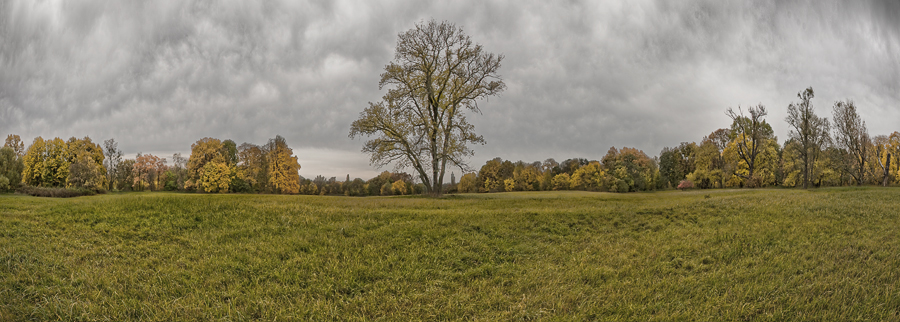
{"x": 581, "y": 76}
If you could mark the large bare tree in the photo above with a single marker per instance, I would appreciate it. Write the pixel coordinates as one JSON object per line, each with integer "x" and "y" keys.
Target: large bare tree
{"x": 437, "y": 74}
{"x": 852, "y": 138}
{"x": 810, "y": 131}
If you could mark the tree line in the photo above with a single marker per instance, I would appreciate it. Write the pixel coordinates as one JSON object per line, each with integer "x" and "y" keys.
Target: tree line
{"x": 214, "y": 166}
{"x": 818, "y": 152}
{"x": 624, "y": 170}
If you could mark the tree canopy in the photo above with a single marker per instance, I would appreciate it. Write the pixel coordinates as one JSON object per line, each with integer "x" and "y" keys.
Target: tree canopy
{"x": 437, "y": 74}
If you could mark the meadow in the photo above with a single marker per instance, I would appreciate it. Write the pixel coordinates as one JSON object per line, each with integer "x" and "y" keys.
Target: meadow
{"x": 725, "y": 255}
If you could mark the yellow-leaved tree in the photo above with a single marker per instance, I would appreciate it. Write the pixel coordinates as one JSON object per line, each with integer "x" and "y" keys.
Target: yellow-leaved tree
{"x": 207, "y": 151}
{"x": 282, "y": 167}
{"x": 85, "y": 164}
{"x": 46, "y": 163}
{"x": 216, "y": 177}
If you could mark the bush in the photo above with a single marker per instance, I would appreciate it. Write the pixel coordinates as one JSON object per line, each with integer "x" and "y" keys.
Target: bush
{"x": 57, "y": 192}
{"x": 685, "y": 184}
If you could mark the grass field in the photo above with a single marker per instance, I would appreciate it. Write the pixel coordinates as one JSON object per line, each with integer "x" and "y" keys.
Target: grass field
{"x": 829, "y": 254}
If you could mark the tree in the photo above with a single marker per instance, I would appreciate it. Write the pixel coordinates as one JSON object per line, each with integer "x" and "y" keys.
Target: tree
{"x": 400, "y": 187}
{"x": 205, "y": 150}
{"x": 252, "y": 166}
{"x": 709, "y": 161}
{"x": 676, "y": 163}
{"x": 527, "y": 177}
{"x": 216, "y": 177}
{"x": 46, "y": 163}
{"x": 629, "y": 169}
{"x": 562, "y": 181}
{"x": 144, "y": 167}
{"x": 11, "y": 167}
{"x": 34, "y": 162}
{"x": 852, "y": 137}
{"x": 85, "y": 173}
{"x": 468, "y": 183}
{"x": 589, "y": 177}
{"x": 749, "y": 134}
{"x": 125, "y": 175}
{"x": 113, "y": 158}
{"x": 437, "y": 73}
{"x": 282, "y": 167}
{"x": 893, "y": 149}
{"x": 230, "y": 152}
{"x": 810, "y": 132}
{"x": 179, "y": 170}
{"x": 883, "y": 157}
{"x": 13, "y": 141}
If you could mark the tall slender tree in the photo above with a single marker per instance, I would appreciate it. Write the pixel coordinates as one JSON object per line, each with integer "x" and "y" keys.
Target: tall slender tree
{"x": 810, "y": 131}
{"x": 113, "y": 158}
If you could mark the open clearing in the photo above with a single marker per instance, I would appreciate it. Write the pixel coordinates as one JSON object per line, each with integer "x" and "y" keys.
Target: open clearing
{"x": 828, "y": 254}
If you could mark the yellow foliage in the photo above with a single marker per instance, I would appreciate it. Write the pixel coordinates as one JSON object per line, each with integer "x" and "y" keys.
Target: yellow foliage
{"x": 399, "y": 187}
{"x": 216, "y": 177}
{"x": 283, "y": 167}
{"x": 561, "y": 182}
{"x": 468, "y": 183}
{"x": 509, "y": 184}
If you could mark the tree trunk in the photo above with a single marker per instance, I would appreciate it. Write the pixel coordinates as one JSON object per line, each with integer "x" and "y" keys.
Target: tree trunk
{"x": 887, "y": 172}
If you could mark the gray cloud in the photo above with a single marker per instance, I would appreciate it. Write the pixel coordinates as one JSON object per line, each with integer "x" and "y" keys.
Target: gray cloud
{"x": 582, "y": 75}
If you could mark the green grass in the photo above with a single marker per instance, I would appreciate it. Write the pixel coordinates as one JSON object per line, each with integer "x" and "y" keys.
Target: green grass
{"x": 828, "y": 254}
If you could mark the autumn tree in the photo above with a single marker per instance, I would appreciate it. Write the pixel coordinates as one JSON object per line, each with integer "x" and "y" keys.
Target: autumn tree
{"x": 85, "y": 173}
{"x": 749, "y": 134}
{"x": 282, "y": 167}
{"x": 493, "y": 173}
{"x": 15, "y": 143}
{"x": 809, "y": 130}
{"x": 883, "y": 156}
{"x": 46, "y": 163}
{"x": 852, "y": 137}
{"x": 230, "y": 152}
{"x": 589, "y": 177}
{"x": 215, "y": 177}
{"x": 527, "y": 177}
{"x": 437, "y": 74}
{"x": 125, "y": 175}
{"x": 252, "y": 166}
{"x": 709, "y": 161}
{"x": 113, "y": 158}
{"x": 629, "y": 169}
{"x": 468, "y": 183}
{"x": 145, "y": 167}
{"x": 562, "y": 181}
{"x": 88, "y": 159}
{"x": 892, "y": 151}
{"x": 676, "y": 163}
{"x": 11, "y": 166}
{"x": 204, "y": 151}
{"x": 179, "y": 172}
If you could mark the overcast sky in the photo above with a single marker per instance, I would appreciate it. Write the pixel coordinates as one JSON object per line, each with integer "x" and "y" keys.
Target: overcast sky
{"x": 582, "y": 76}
